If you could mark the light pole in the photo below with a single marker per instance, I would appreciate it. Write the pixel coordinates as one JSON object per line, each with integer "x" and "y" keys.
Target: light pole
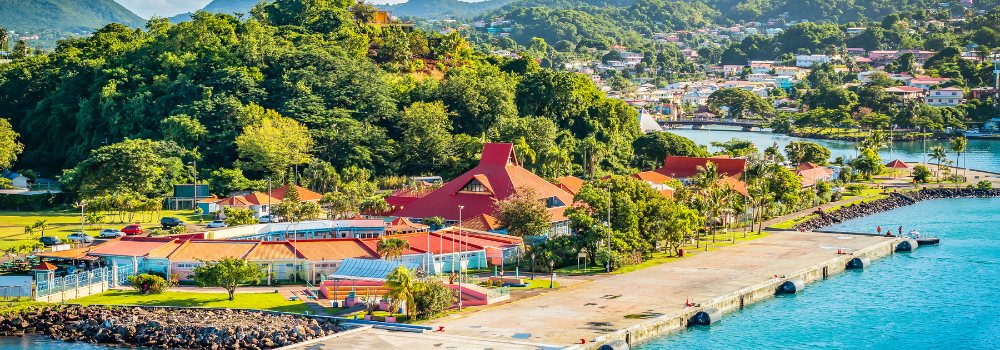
{"x": 532, "y": 265}
{"x": 195, "y": 186}
{"x": 552, "y": 279}
{"x": 609, "y": 228}
{"x": 460, "y": 256}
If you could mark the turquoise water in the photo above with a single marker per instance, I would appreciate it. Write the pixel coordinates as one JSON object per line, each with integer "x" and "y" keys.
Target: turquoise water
{"x": 43, "y": 343}
{"x": 982, "y": 154}
{"x": 938, "y": 297}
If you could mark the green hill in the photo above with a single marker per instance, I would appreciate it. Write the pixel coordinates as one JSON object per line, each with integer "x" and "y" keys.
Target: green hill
{"x": 219, "y": 6}
{"x": 64, "y": 15}
{"x": 435, "y": 9}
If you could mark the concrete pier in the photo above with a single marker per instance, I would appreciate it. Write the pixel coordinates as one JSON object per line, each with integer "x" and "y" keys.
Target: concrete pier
{"x": 638, "y": 306}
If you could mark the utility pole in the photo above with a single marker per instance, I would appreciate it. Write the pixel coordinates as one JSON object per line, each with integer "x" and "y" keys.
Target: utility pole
{"x": 609, "y": 228}
{"x": 460, "y": 207}
{"x": 195, "y": 186}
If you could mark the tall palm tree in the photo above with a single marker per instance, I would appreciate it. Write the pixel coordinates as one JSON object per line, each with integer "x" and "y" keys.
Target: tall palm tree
{"x": 940, "y": 154}
{"x": 958, "y": 145}
{"x": 403, "y": 286}
{"x": 875, "y": 140}
{"x": 392, "y": 248}
{"x": 4, "y": 39}
{"x": 594, "y": 151}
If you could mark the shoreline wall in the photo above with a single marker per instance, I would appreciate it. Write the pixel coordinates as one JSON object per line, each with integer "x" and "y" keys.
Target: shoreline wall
{"x": 893, "y": 201}
{"x": 737, "y": 300}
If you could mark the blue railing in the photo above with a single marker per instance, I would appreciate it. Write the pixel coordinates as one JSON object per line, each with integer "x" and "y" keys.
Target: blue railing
{"x": 83, "y": 279}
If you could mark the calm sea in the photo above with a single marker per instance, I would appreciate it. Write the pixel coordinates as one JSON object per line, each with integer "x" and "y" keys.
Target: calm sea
{"x": 938, "y": 297}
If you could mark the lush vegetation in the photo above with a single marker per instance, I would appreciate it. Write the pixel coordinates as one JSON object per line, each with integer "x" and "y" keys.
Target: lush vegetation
{"x": 227, "y": 273}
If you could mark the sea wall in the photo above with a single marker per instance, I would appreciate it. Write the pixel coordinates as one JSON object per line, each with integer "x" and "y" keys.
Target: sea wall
{"x": 893, "y": 201}
{"x": 739, "y": 299}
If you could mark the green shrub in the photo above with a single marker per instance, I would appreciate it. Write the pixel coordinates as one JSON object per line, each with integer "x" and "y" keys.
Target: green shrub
{"x": 984, "y": 185}
{"x": 178, "y": 230}
{"x": 855, "y": 189}
{"x": 147, "y": 284}
{"x": 921, "y": 174}
{"x": 433, "y": 299}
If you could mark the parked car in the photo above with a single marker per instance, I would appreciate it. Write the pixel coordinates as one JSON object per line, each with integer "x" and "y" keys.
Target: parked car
{"x": 80, "y": 237}
{"x": 169, "y": 222}
{"x": 111, "y": 233}
{"x": 132, "y": 230}
{"x": 269, "y": 219}
{"x": 50, "y": 240}
{"x": 216, "y": 224}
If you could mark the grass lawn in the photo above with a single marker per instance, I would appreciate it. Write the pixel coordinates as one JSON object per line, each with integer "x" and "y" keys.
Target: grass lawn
{"x": 260, "y": 301}
{"x": 64, "y": 220}
{"x": 537, "y": 283}
{"x": 13, "y": 307}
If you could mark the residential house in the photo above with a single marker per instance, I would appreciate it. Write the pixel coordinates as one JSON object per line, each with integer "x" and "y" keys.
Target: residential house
{"x": 184, "y": 196}
{"x": 570, "y": 184}
{"x": 926, "y": 82}
{"x": 683, "y": 168}
{"x": 856, "y": 30}
{"x": 906, "y": 93}
{"x": 17, "y": 180}
{"x": 259, "y": 203}
{"x": 496, "y": 177}
{"x": 657, "y": 181}
{"x": 947, "y": 97}
{"x": 856, "y": 51}
{"x": 809, "y": 60}
{"x": 810, "y": 173}
{"x": 759, "y": 78}
{"x": 695, "y": 98}
{"x": 403, "y": 226}
{"x": 304, "y": 194}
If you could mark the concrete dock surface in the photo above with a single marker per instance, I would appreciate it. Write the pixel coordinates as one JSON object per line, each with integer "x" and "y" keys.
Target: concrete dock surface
{"x": 619, "y": 301}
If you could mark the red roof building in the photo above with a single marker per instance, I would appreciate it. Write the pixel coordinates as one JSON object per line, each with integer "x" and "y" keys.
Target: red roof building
{"x": 304, "y": 194}
{"x": 481, "y": 222}
{"x": 403, "y": 226}
{"x": 495, "y": 178}
{"x": 682, "y": 168}
{"x": 570, "y": 184}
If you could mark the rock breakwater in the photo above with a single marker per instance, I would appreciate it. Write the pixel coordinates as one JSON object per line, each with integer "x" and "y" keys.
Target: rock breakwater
{"x": 893, "y": 201}
{"x": 167, "y": 328}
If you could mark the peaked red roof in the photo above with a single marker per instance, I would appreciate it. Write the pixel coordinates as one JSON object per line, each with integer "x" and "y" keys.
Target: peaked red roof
{"x": 45, "y": 266}
{"x": 304, "y": 194}
{"x": 570, "y": 184}
{"x": 807, "y": 166}
{"x": 653, "y": 177}
{"x": 683, "y": 167}
{"x": 404, "y": 224}
{"x": 897, "y": 164}
{"x": 502, "y": 174}
{"x": 480, "y": 222}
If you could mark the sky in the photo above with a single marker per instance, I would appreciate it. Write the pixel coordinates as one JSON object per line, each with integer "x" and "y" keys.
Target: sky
{"x": 162, "y": 8}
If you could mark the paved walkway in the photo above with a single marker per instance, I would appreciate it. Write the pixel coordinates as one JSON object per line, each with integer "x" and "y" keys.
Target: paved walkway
{"x": 620, "y": 301}
{"x": 378, "y": 339}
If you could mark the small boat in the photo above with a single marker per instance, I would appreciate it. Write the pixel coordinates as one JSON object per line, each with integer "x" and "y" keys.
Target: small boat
{"x": 923, "y": 240}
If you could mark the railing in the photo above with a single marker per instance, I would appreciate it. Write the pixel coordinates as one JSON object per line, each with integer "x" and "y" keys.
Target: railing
{"x": 716, "y": 120}
{"x": 312, "y": 289}
{"x": 497, "y": 292}
{"x": 83, "y": 279}
{"x": 15, "y": 292}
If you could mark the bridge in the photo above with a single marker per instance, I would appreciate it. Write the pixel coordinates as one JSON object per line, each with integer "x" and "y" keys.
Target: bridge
{"x": 699, "y": 123}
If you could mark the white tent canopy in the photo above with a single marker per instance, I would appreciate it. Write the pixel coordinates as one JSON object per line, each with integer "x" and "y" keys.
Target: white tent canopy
{"x": 647, "y": 123}
{"x": 367, "y": 270}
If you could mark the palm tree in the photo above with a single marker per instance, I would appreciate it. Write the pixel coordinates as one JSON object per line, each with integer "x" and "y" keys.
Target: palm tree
{"x": 958, "y": 145}
{"x": 4, "y": 39}
{"x": 875, "y": 140}
{"x": 593, "y": 151}
{"x": 403, "y": 286}
{"x": 392, "y": 248}
{"x": 940, "y": 154}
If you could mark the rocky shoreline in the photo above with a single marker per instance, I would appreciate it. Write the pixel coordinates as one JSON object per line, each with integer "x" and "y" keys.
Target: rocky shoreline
{"x": 166, "y": 327}
{"x": 893, "y": 201}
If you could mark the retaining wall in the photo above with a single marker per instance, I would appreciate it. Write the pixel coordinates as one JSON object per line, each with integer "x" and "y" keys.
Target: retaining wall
{"x": 75, "y": 293}
{"x": 737, "y": 300}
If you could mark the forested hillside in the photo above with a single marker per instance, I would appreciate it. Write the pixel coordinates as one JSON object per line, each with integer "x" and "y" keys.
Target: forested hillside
{"x": 830, "y": 11}
{"x": 308, "y": 81}
{"x": 64, "y": 15}
{"x": 437, "y": 9}
{"x": 220, "y": 6}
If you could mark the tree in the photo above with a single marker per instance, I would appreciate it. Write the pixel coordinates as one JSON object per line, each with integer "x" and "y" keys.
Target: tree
{"x": 435, "y": 222}
{"x": 183, "y": 130}
{"x": 392, "y": 248}
{"x": 940, "y": 154}
{"x": 403, "y": 286}
{"x": 984, "y": 185}
{"x": 152, "y": 167}
{"x": 523, "y": 213}
{"x": 272, "y": 143}
{"x": 921, "y": 173}
{"x": 801, "y": 152}
{"x": 958, "y": 146}
{"x": 736, "y": 148}
{"x": 869, "y": 162}
{"x": 652, "y": 149}
{"x": 227, "y": 273}
{"x": 433, "y": 298}
{"x": 21, "y": 49}
{"x": 426, "y": 136}
{"x": 146, "y": 284}
{"x": 240, "y": 217}
{"x": 9, "y": 147}
{"x": 739, "y": 102}
{"x": 538, "y": 45}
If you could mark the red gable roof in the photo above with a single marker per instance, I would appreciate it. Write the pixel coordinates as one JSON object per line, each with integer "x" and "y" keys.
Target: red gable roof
{"x": 807, "y": 166}
{"x": 897, "y": 164}
{"x": 570, "y": 184}
{"x": 683, "y": 167}
{"x": 45, "y": 266}
{"x": 502, "y": 174}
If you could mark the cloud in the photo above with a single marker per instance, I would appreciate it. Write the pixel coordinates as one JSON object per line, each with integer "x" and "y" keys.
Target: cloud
{"x": 162, "y": 8}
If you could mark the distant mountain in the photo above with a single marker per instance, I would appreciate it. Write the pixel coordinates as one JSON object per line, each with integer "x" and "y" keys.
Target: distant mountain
{"x": 219, "y": 6}
{"x": 437, "y": 9}
{"x": 64, "y": 15}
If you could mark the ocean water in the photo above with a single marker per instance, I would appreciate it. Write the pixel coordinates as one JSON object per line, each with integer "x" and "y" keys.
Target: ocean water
{"x": 938, "y": 297}
{"x": 982, "y": 154}
{"x": 45, "y": 343}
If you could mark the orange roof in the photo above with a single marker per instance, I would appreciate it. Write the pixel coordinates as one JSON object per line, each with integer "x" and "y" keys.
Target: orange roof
{"x": 652, "y": 176}
{"x": 404, "y": 224}
{"x": 131, "y": 246}
{"x": 46, "y": 266}
{"x": 68, "y": 254}
{"x": 897, "y": 164}
{"x": 212, "y": 199}
{"x": 165, "y": 250}
{"x": 807, "y": 166}
{"x": 334, "y": 249}
{"x": 212, "y": 250}
{"x": 570, "y": 184}
{"x": 258, "y": 198}
{"x": 234, "y": 201}
{"x": 275, "y": 251}
{"x": 734, "y": 184}
{"x": 481, "y": 222}
{"x": 304, "y": 194}
{"x": 814, "y": 173}
{"x": 669, "y": 193}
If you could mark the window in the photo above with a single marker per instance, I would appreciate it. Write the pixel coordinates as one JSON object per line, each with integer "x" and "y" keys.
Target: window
{"x": 474, "y": 186}
{"x": 937, "y": 93}
{"x": 554, "y": 202}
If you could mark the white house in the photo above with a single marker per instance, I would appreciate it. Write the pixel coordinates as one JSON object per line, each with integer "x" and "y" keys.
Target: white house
{"x": 947, "y": 97}
{"x": 17, "y": 180}
{"x": 631, "y": 58}
{"x": 696, "y": 98}
{"x": 809, "y": 60}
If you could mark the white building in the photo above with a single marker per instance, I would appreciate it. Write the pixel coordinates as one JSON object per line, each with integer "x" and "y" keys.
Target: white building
{"x": 631, "y": 58}
{"x": 947, "y": 97}
{"x": 809, "y": 60}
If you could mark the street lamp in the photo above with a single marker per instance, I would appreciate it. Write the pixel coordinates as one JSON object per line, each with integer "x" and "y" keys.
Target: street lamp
{"x": 552, "y": 279}
{"x": 609, "y": 227}
{"x": 532, "y": 265}
{"x": 460, "y": 207}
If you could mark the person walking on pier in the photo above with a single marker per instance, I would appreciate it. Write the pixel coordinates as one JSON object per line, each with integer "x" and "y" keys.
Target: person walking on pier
{"x": 901, "y": 230}
{"x": 880, "y": 230}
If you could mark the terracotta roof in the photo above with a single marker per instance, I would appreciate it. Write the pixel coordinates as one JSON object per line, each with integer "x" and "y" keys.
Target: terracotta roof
{"x": 669, "y": 193}
{"x": 481, "y": 222}
{"x": 897, "y": 164}
{"x": 334, "y": 249}
{"x": 212, "y": 250}
{"x": 734, "y": 184}
{"x": 653, "y": 177}
{"x": 234, "y": 201}
{"x": 814, "y": 173}
{"x": 45, "y": 266}
{"x": 904, "y": 89}
{"x": 131, "y": 246}
{"x": 499, "y": 166}
{"x": 806, "y": 166}
{"x": 570, "y": 184}
{"x": 68, "y": 254}
{"x": 275, "y": 251}
{"x": 258, "y": 198}
{"x": 404, "y": 224}
{"x": 304, "y": 194}
{"x": 684, "y": 167}
{"x": 165, "y": 250}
